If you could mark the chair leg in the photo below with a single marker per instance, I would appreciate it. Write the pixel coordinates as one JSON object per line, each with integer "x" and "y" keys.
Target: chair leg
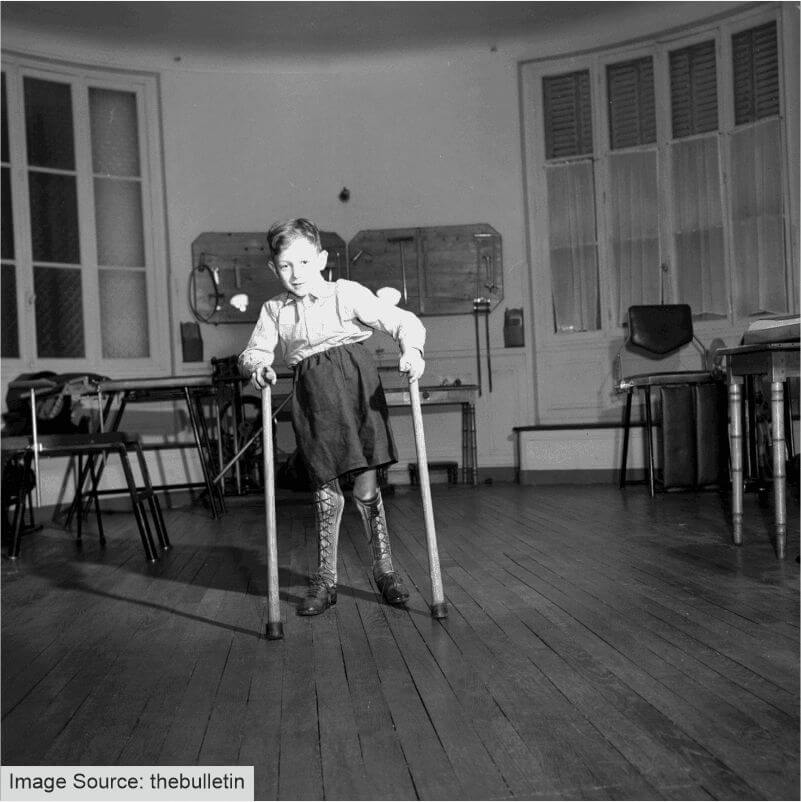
{"x": 204, "y": 431}
{"x": 32, "y": 526}
{"x": 82, "y": 476}
{"x": 152, "y": 499}
{"x": 626, "y": 425}
{"x": 78, "y": 500}
{"x": 141, "y": 520}
{"x": 649, "y": 440}
{"x": 19, "y": 509}
{"x": 211, "y": 491}
{"x": 95, "y": 476}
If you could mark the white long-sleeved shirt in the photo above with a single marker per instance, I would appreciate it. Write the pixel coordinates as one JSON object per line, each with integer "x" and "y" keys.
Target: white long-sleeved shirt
{"x": 338, "y": 313}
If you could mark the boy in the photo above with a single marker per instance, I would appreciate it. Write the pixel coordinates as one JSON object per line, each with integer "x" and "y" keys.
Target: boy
{"x": 338, "y": 408}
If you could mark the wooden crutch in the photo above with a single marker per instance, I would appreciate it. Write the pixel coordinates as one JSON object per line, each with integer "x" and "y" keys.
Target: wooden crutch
{"x": 438, "y": 607}
{"x": 275, "y": 629}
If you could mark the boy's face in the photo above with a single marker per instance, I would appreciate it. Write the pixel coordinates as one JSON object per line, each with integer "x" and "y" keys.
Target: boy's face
{"x": 298, "y": 266}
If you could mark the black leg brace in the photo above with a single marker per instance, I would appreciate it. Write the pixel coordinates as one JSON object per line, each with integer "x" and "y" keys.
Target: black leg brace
{"x": 375, "y": 527}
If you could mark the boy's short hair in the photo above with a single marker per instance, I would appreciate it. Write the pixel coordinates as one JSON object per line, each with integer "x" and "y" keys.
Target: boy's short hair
{"x": 283, "y": 232}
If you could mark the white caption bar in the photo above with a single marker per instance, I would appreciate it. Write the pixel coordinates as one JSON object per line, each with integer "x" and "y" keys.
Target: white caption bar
{"x": 168, "y": 783}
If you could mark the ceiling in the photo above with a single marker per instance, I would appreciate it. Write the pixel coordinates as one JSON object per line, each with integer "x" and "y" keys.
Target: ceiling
{"x": 303, "y": 28}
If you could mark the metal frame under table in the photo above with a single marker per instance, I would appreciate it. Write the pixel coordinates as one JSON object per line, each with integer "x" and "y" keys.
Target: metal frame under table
{"x": 445, "y": 395}
{"x": 190, "y": 389}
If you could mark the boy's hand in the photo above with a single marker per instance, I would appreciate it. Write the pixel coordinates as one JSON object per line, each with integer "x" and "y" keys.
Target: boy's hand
{"x": 263, "y": 376}
{"x": 412, "y": 362}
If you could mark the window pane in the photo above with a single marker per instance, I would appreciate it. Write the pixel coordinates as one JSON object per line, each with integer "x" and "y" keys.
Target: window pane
{"x": 755, "y": 59}
{"x": 123, "y": 314}
{"x": 573, "y": 253}
{"x": 7, "y": 214}
{"x": 630, "y": 91}
{"x": 59, "y": 312}
{"x": 4, "y": 131}
{"x": 118, "y": 217}
{"x": 698, "y": 228}
{"x": 694, "y": 90}
{"x": 48, "y": 124}
{"x": 54, "y": 218}
{"x": 9, "y": 326}
{"x": 634, "y": 231}
{"x": 568, "y": 117}
{"x": 115, "y": 137}
{"x": 760, "y": 269}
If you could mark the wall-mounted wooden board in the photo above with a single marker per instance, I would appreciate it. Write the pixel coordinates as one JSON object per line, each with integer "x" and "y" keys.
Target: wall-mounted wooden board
{"x": 441, "y": 270}
{"x": 226, "y": 265}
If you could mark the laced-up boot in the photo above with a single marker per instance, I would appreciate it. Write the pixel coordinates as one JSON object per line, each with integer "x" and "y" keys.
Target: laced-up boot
{"x": 375, "y": 527}
{"x": 322, "y": 593}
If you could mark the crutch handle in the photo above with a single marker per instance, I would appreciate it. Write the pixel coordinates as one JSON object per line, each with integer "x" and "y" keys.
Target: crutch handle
{"x": 275, "y": 629}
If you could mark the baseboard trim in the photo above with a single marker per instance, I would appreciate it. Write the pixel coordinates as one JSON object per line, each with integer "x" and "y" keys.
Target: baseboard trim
{"x": 579, "y": 477}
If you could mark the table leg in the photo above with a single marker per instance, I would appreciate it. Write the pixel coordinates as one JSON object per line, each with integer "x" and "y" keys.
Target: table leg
{"x": 236, "y": 409}
{"x": 649, "y": 442}
{"x": 206, "y": 437}
{"x": 465, "y": 441}
{"x": 779, "y": 457}
{"x": 736, "y": 440}
{"x": 473, "y": 444}
{"x": 219, "y": 435}
{"x": 211, "y": 490}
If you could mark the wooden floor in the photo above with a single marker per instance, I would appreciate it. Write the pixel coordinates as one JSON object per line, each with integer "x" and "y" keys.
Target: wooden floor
{"x": 600, "y": 645}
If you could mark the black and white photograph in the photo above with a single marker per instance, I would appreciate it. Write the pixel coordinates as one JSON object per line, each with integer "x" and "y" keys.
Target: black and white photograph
{"x": 400, "y": 400}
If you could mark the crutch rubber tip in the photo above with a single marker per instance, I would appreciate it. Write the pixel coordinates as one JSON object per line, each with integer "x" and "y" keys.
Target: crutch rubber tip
{"x": 439, "y": 610}
{"x": 275, "y": 630}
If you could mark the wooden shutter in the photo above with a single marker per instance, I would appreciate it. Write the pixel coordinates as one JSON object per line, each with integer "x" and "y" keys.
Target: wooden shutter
{"x": 630, "y": 94}
{"x": 693, "y": 90}
{"x": 568, "y": 118}
{"x": 755, "y": 60}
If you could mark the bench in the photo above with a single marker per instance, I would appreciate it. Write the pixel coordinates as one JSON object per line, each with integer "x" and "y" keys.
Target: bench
{"x": 451, "y": 467}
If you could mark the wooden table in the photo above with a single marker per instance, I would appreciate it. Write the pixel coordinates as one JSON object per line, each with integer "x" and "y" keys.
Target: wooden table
{"x": 444, "y": 395}
{"x": 778, "y": 362}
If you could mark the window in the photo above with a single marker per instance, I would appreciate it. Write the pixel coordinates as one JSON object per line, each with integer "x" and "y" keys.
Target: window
{"x": 568, "y": 124}
{"x": 757, "y": 175}
{"x": 693, "y": 90}
{"x": 755, "y": 63}
{"x": 630, "y": 95}
{"x": 571, "y": 201}
{"x": 633, "y": 220}
{"x": 8, "y": 278}
{"x": 656, "y": 174}
{"x": 82, "y": 246}
{"x": 698, "y": 264}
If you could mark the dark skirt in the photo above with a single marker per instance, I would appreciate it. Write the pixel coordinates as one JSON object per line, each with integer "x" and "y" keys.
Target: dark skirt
{"x": 340, "y": 415}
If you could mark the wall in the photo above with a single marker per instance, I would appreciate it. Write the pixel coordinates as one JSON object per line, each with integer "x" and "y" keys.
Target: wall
{"x": 388, "y": 135}
{"x": 420, "y": 138}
